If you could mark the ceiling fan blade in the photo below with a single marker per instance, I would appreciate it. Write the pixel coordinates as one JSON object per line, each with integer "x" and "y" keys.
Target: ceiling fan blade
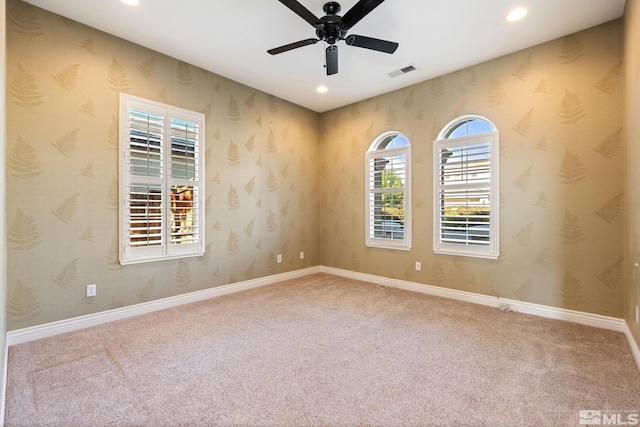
{"x": 332, "y": 59}
{"x": 291, "y": 46}
{"x": 359, "y": 11}
{"x": 301, "y": 11}
{"x": 371, "y": 43}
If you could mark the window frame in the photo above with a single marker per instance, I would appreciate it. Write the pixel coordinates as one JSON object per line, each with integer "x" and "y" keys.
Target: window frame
{"x": 372, "y": 153}
{"x": 492, "y": 250}
{"x": 170, "y": 185}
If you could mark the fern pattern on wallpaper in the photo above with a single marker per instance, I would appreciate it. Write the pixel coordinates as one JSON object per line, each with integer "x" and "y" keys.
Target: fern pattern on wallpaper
{"x": 23, "y": 303}
{"x": 22, "y": 160}
{"x": 23, "y": 89}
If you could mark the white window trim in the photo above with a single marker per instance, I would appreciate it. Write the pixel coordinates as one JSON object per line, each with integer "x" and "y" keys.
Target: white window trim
{"x": 372, "y": 153}
{"x": 491, "y": 251}
{"x": 166, "y": 251}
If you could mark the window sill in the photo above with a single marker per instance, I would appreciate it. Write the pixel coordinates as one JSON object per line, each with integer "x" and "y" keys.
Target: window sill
{"x": 160, "y": 258}
{"x": 386, "y": 245}
{"x": 466, "y": 254}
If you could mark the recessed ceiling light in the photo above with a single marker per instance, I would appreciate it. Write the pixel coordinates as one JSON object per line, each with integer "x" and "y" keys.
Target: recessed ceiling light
{"x": 322, "y": 89}
{"x": 131, "y": 2}
{"x": 517, "y": 14}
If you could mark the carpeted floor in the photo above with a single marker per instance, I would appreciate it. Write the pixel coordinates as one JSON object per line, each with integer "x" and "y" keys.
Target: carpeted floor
{"x": 323, "y": 350}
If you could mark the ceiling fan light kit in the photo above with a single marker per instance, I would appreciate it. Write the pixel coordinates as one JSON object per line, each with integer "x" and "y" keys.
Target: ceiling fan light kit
{"x": 332, "y": 28}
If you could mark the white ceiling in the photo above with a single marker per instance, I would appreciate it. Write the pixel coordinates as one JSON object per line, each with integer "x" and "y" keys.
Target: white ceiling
{"x": 231, "y": 37}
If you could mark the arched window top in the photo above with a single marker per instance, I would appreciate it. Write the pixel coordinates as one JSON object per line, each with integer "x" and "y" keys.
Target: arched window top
{"x": 389, "y": 140}
{"x": 466, "y": 126}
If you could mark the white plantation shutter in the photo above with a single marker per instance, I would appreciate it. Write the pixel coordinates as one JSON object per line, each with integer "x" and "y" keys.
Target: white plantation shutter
{"x": 145, "y": 215}
{"x": 465, "y": 195}
{"x": 143, "y": 162}
{"x": 184, "y": 214}
{"x": 161, "y": 214}
{"x": 385, "y": 199}
{"x": 185, "y": 174}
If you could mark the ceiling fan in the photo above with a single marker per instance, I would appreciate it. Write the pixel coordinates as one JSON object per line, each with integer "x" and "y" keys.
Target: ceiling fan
{"x": 333, "y": 27}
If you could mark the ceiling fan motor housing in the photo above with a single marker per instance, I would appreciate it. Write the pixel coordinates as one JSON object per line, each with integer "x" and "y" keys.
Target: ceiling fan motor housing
{"x": 331, "y": 29}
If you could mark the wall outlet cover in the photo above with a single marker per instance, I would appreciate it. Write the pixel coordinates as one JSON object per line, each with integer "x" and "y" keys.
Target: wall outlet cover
{"x": 91, "y": 291}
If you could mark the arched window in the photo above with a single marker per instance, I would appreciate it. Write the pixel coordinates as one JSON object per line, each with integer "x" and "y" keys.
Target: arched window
{"x": 465, "y": 184}
{"x": 388, "y": 204}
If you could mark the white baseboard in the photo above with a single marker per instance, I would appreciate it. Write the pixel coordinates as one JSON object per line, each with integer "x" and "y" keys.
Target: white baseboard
{"x": 596, "y": 320}
{"x": 635, "y": 350}
{"x": 415, "y": 287}
{"x": 55, "y": 328}
{"x": 589, "y": 319}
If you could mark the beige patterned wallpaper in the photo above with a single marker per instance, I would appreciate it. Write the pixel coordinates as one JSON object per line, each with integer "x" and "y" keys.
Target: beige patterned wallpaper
{"x": 282, "y": 179}
{"x": 632, "y": 152}
{"x": 558, "y": 108}
{"x": 63, "y": 86}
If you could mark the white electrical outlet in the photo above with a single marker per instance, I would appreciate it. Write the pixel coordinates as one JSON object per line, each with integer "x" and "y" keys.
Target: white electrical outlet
{"x": 637, "y": 314}
{"x": 418, "y": 266}
{"x": 301, "y": 255}
{"x": 279, "y": 258}
{"x": 91, "y": 290}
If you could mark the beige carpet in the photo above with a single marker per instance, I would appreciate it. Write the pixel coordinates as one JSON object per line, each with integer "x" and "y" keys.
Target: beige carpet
{"x": 322, "y": 350}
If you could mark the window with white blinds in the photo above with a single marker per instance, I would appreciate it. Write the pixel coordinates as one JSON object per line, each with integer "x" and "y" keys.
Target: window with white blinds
{"x": 162, "y": 181}
{"x": 388, "y": 207}
{"x": 466, "y": 189}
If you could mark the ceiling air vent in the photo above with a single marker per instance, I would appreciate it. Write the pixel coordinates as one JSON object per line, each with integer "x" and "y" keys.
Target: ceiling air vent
{"x": 402, "y": 71}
